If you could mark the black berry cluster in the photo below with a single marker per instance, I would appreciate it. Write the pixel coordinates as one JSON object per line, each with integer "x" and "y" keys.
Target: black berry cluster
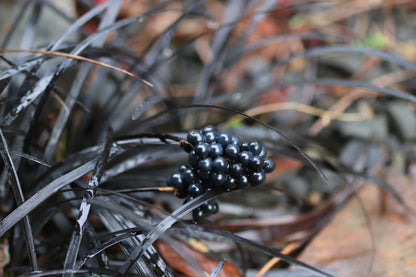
{"x": 218, "y": 160}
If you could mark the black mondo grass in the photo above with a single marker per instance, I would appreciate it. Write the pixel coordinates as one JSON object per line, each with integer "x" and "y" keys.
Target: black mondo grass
{"x": 227, "y": 128}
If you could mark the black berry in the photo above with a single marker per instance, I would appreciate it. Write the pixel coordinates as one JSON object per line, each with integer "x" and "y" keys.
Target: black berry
{"x": 245, "y": 157}
{"x": 255, "y": 147}
{"x": 268, "y": 165}
{"x": 236, "y": 140}
{"x": 220, "y": 164}
{"x": 216, "y": 150}
{"x": 236, "y": 169}
{"x": 255, "y": 163}
{"x": 188, "y": 176}
{"x": 205, "y": 164}
{"x": 242, "y": 181}
{"x": 244, "y": 146}
{"x": 194, "y": 137}
{"x": 230, "y": 183}
{"x": 257, "y": 178}
{"x": 232, "y": 151}
{"x": 197, "y": 215}
{"x": 175, "y": 180}
{"x": 182, "y": 168}
{"x": 210, "y": 137}
{"x": 263, "y": 152}
{"x": 195, "y": 189}
{"x": 204, "y": 176}
{"x": 210, "y": 207}
{"x": 202, "y": 150}
{"x": 223, "y": 139}
{"x": 193, "y": 159}
{"x": 209, "y": 128}
{"x": 218, "y": 178}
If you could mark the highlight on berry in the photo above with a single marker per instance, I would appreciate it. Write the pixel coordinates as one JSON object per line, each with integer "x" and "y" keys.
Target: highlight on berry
{"x": 218, "y": 160}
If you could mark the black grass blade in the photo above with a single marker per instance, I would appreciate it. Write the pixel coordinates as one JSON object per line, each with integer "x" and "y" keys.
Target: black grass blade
{"x": 85, "y": 207}
{"x": 217, "y": 269}
{"x": 19, "y": 198}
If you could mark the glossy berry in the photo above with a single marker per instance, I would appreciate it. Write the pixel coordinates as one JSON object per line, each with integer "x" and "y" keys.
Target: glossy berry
{"x": 197, "y": 215}
{"x": 204, "y": 176}
{"x": 188, "y": 176}
{"x": 245, "y": 157}
{"x": 175, "y": 180}
{"x": 263, "y": 152}
{"x": 223, "y": 139}
{"x": 210, "y": 137}
{"x": 194, "y": 137}
{"x": 268, "y": 165}
{"x": 255, "y": 147}
{"x": 236, "y": 169}
{"x": 196, "y": 189}
{"x": 230, "y": 183}
{"x": 202, "y": 150}
{"x": 255, "y": 163}
{"x": 242, "y": 181}
{"x": 210, "y": 207}
{"x": 220, "y": 164}
{"x": 235, "y": 140}
{"x": 244, "y": 146}
{"x": 182, "y": 168}
{"x": 232, "y": 151}
{"x": 216, "y": 150}
{"x": 193, "y": 159}
{"x": 205, "y": 164}
{"x": 209, "y": 128}
{"x": 257, "y": 178}
{"x": 218, "y": 178}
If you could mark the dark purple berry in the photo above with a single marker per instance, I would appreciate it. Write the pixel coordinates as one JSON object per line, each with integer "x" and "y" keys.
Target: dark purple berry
{"x": 210, "y": 207}
{"x": 193, "y": 159}
{"x": 194, "y": 137}
{"x": 182, "y": 168}
{"x": 257, "y": 178}
{"x": 210, "y": 137}
{"x": 195, "y": 189}
{"x": 220, "y": 164}
{"x": 236, "y": 169}
{"x": 230, "y": 183}
{"x": 268, "y": 165}
{"x": 255, "y": 147}
{"x": 244, "y": 146}
{"x": 255, "y": 163}
{"x": 235, "y": 140}
{"x": 209, "y": 128}
{"x": 175, "y": 180}
{"x": 223, "y": 139}
{"x": 245, "y": 157}
{"x": 204, "y": 176}
{"x": 263, "y": 152}
{"x": 242, "y": 181}
{"x": 216, "y": 150}
{"x": 202, "y": 150}
{"x": 232, "y": 151}
{"x": 188, "y": 176}
{"x": 197, "y": 215}
{"x": 218, "y": 178}
{"x": 205, "y": 164}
